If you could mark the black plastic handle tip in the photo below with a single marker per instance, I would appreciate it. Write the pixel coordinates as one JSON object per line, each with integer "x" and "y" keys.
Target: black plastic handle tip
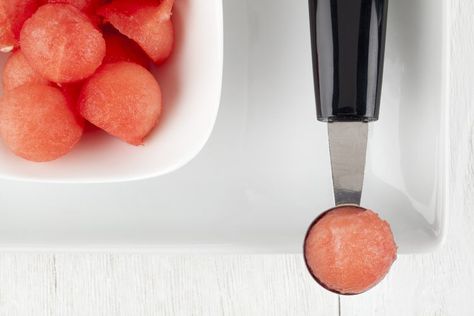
{"x": 348, "y": 39}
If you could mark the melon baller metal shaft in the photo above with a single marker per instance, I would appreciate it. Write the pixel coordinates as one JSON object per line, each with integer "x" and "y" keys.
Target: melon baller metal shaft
{"x": 348, "y": 40}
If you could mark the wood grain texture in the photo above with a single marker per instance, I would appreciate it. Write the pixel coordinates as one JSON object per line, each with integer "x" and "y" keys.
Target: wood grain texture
{"x": 104, "y": 284}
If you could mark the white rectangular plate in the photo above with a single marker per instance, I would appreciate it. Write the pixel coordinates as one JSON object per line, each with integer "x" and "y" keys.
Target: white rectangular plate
{"x": 265, "y": 175}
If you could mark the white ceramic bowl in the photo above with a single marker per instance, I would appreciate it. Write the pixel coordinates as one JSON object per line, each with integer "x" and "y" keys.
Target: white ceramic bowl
{"x": 191, "y": 84}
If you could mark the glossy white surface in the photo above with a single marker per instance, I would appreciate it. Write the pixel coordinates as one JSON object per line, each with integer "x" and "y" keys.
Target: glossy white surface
{"x": 265, "y": 175}
{"x": 191, "y": 83}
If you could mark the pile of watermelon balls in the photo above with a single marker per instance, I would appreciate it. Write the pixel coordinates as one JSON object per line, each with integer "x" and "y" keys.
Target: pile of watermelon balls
{"x": 76, "y": 63}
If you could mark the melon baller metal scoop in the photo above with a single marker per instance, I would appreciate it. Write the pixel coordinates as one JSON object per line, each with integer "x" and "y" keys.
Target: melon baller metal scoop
{"x": 348, "y": 40}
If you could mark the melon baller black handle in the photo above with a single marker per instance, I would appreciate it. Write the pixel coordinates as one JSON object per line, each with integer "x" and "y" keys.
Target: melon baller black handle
{"x": 348, "y": 40}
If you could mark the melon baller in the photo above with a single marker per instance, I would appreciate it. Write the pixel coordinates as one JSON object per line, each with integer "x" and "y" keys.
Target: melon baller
{"x": 348, "y": 41}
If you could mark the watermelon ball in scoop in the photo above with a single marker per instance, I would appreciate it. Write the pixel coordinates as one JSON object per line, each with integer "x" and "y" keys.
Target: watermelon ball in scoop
{"x": 61, "y": 43}
{"x": 349, "y": 250}
{"x": 17, "y": 72}
{"x": 147, "y": 22}
{"x": 37, "y": 124}
{"x": 123, "y": 99}
{"x": 13, "y": 13}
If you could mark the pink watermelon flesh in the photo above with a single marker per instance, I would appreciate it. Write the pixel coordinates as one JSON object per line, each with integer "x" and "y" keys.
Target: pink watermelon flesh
{"x": 37, "y": 124}
{"x": 17, "y": 72}
{"x": 87, "y": 6}
{"x": 13, "y": 13}
{"x": 350, "y": 250}
{"x": 62, "y": 44}
{"x": 123, "y": 99}
{"x": 71, "y": 92}
{"x": 121, "y": 48}
{"x": 147, "y": 22}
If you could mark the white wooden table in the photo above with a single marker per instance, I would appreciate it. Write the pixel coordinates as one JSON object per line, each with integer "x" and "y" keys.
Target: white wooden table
{"x": 104, "y": 284}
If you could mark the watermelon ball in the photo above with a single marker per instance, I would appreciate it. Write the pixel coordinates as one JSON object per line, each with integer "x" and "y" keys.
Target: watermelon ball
{"x": 17, "y": 72}
{"x": 36, "y": 123}
{"x": 349, "y": 250}
{"x": 87, "y": 6}
{"x": 71, "y": 92}
{"x": 123, "y": 99}
{"x": 121, "y": 48}
{"x": 61, "y": 43}
{"x": 13, "y": 13}
{"x": 147, "y": 22}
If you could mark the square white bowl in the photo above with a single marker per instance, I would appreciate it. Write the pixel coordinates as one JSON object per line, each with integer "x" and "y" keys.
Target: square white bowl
{"x": 191, "y": 84}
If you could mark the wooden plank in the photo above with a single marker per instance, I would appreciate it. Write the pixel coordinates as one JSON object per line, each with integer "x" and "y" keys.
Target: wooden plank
{"x": 27, "y": 285}
{"x": 101, "y": 284}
